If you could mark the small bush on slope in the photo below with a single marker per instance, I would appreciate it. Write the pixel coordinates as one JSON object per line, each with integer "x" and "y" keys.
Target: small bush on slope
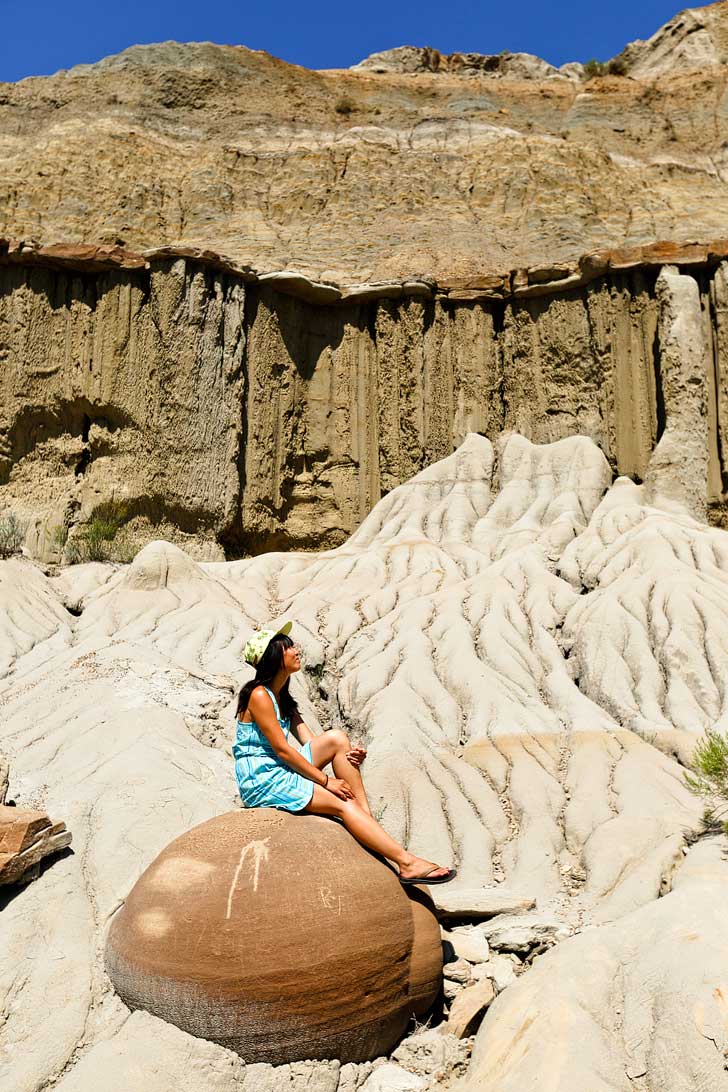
{"x": 12, "y": 535}
{"x": 94, "y": 541}
{"x": 710, "y": 777}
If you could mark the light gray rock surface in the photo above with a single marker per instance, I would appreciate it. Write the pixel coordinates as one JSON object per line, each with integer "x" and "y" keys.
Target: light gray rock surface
{"x": 639, "y": 1003}
{"x": 146, "y": 1053}
{"x": 479, "y": 903}
{"x": 458, "y": 970}
{"x": 692, "y": 40}
{"x": 392, "y": 1078}
{"x": 469, "y": 943}
{"x": 433, "y": 1053}
{"x": 523, "y": 646}
{"x": 409, "y": 60}
{"x": 500, "y": 969}
{"x": 521, "y": 932}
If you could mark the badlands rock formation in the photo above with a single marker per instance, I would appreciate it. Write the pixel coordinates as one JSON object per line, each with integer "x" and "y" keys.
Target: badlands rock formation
{"x": 230, "y": 414}
{"x": 524, "y": 645}
{"x": 656, "y": 1011}
{"x": 248, "y": 300}
{"x": 273, "y": 935}
{"x": 359, "y": 174}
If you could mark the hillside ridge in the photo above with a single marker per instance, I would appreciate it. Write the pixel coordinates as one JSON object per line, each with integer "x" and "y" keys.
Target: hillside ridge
{"x": 357, "y": 175}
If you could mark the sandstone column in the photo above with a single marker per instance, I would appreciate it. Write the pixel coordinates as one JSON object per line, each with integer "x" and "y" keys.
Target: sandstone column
{"x": 677, "y": 473}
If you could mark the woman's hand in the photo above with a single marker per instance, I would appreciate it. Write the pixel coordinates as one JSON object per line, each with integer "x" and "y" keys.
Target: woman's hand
{"x": 340, "y": 788}
{"x": 356, "y": 755}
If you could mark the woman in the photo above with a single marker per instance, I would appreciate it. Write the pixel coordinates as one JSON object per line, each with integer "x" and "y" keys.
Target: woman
{"x": 272, "y": 773}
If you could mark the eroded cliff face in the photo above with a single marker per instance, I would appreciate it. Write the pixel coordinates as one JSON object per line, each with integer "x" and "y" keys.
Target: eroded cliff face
{"x": 365, "y": 174}
{"x": 247, "y": 418}
{"x": 248, "y": 300}
{"x": 121, "y": 386}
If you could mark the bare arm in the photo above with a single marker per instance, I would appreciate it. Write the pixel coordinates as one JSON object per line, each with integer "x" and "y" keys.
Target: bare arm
{"x": 262, "y": 711}
{"x": 300, "y": 729}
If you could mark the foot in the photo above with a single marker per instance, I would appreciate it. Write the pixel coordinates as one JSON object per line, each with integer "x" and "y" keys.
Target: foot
{"x": 419, "y": 868}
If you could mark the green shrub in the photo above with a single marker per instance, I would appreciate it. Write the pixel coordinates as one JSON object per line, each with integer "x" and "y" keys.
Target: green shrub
{"x": 93, "y": 542}
{"x": 73, "y": 554}
{"x": 617, "y": 66}
{"x": 96, "y": 538}
{"x": 344, "y": 105}
{"x": 594, "y": 68}
{"x": 60, "y": 535}
{"x": 110, "y": 515}
{"x": 12, "y": 535}
{"x": 710, "y": 777}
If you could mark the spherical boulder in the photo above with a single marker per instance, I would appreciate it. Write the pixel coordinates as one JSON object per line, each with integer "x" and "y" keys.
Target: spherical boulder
{"x": 278, "y": 936}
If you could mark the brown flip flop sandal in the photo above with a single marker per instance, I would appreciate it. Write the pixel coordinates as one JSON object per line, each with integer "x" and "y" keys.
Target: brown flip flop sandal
{"x": 449, "y": 875}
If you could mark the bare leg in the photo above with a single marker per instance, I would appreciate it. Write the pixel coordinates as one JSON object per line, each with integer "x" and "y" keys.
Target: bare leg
{"x": 332, "y": 747}
{"x": 367, "y": 830}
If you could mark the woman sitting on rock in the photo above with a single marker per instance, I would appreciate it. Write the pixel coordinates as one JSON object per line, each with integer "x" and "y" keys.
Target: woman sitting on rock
{"x": 272, "y": 773}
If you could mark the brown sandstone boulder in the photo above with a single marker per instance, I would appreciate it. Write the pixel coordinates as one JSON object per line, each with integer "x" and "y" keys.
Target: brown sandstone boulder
{"x": 277, "y": 936}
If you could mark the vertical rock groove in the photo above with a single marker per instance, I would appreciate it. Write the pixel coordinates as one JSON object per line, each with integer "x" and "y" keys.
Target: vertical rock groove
{"x": 260, "y": 420}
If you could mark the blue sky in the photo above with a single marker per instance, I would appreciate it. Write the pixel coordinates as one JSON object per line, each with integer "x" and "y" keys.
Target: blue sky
{"x": 38, "y": 37}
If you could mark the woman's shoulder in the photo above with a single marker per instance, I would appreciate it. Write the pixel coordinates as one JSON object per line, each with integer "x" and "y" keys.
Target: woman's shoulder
{"x": 260, "y": 696}
{"x": 261, "y": 700}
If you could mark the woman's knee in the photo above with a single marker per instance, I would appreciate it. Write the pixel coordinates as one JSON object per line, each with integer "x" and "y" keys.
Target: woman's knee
{"x": 350, "y": 810}
{"x": 340, "y": 739}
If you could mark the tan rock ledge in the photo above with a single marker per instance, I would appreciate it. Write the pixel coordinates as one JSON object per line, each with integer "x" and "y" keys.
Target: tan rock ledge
{"x": 517, "y": 283}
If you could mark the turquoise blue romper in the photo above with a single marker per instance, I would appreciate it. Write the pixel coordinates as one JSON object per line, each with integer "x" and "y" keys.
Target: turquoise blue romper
{"x": 264, "y": 781}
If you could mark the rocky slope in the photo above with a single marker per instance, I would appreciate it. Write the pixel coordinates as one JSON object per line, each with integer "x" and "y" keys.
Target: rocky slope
{"x": 258, "y": 307}
{"x": 524, "y": 645}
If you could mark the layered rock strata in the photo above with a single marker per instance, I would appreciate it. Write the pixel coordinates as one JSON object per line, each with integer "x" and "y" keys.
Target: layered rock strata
{"x": 232, "y": 410}
{"x": 456, "y": 168}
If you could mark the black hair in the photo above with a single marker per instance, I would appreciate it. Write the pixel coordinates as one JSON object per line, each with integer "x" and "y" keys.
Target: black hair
{"x": 266, "y": 670}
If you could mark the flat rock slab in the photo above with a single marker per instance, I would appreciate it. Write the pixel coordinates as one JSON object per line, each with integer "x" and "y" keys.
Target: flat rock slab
{"x": 468, "y": 1007}
{"x": 520, "y": 932}
{"x": 478, "y": 903}
{"x": 26, "y": 837}
{"x": 468, "y": 943}
{"x": 391, "y": 1078}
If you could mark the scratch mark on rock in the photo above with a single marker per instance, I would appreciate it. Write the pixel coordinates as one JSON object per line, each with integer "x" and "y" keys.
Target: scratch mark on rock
{"x": 330, "y": 900}
{"x": 259, "y": 851}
